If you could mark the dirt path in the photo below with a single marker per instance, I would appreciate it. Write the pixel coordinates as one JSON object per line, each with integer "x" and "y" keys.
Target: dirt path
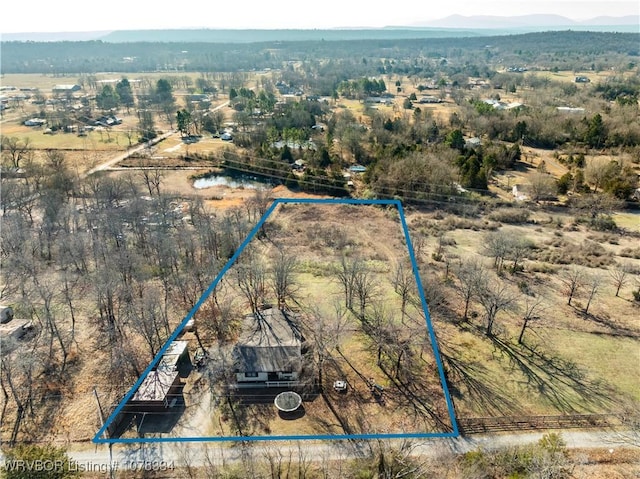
{"x": 201, "y": 454}
{"x": 117, "y": 159}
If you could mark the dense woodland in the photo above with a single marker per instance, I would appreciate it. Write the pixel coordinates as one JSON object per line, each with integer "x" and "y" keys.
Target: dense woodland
{"x": 563, "y": 50}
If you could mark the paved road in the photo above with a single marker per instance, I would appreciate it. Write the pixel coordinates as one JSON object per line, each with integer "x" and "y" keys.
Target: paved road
{"x": 168, "y": 455}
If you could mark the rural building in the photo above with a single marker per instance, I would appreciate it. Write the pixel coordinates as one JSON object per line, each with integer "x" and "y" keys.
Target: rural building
{"x": 568, "y": 109}
{"x": 35, "y": 122}
{"x": 269, "y": 352}
{"x": 66, "y": 88}
{"x": 473, "y": 142}
{"x": 429, "y": 99}
{"x": 520, "y": 192}
{"x": 160, "y": 390}
{"x": 176, "y": 358}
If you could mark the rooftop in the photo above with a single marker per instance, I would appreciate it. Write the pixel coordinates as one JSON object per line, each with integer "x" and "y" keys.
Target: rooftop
{"x": 155, "y": 386}
{"x": 271, "y": 342}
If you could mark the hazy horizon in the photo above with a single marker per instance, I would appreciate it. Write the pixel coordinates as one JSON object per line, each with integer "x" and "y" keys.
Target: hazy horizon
{"x": 285, "y": 14}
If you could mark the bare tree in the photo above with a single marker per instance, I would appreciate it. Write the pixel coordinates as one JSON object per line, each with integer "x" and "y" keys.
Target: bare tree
{"x": 593, "y": 283}
{"x": 470, "y": 274}
{"x": 15, "y": 150}
{"x": 572, "y": 280}
{"x": 152, "y": 178}
{"x": 533, "y": 306}
{"x": 543, "y": 186}
{"x": 404, "y": 284}
{"x": 346, "y": 273}
{"x": 364, "y": 288}
{"x": 497, "y": 247}
{"x": 619, "y": 276}
{"x": 494, "y": 296}
{"x": 282, "y": 277}
{"x": 251, "y": 279}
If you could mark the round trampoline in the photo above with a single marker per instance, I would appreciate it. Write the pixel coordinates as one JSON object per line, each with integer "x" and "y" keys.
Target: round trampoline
{"x": 288, "y": 401}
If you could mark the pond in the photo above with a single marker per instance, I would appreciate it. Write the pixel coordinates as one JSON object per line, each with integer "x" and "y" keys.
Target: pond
{"x": 218, "y": 180}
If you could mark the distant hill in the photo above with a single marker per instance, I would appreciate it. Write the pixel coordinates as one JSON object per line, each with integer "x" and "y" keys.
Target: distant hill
{"x": 524, "y": 21}
{"x": 257, "y": 35}
{"x": 454, "y": 26}
{"x": 52, "y": 36}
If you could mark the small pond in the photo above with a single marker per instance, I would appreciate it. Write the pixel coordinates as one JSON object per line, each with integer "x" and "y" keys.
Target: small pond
{"x": 236, "y": 182}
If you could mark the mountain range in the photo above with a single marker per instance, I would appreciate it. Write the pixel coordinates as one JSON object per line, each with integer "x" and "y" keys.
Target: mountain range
{"x": 451, "y": 26}
{"x": 537, "y": 20}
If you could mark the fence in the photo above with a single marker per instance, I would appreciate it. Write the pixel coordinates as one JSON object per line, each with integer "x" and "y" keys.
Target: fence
{"x": 522, "y": 423}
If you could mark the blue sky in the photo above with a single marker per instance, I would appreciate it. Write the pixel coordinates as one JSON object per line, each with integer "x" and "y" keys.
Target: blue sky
{"x": 50, "y": 16}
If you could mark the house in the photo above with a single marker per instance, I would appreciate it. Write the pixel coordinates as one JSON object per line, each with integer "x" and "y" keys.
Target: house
{"x": 473, "y": 142}
{"x": 35, "y": 122}
{"x": 429, "y": 99}
{"x": 66, "y": 88}
{"x": 269, "y": 352}
{"x": 520, "y": 192}
{"x": 568, "y": 109}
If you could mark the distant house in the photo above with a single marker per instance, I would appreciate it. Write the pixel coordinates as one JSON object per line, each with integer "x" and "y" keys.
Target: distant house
{"x": 61, "y": 89}
{"x": 269, "y": 352}
{"x": 35, "y": 122}
{"x": 520, "y": 192}
{"x": 473, "y": 142}
{"x": 568, "y": 109}
{"x": 429, "y": 99}
{"x": 198, "y": 97}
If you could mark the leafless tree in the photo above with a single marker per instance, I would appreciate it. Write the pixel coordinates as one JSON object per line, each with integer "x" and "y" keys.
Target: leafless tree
{"x": 494, "y": 296}
{"x": 15, "y": 150}
{"x": 346, "y": 272}
{"x": 619, "y": 276}
{"x": 533, "y": 307}
{"x": 282, "y": 277}
{"x": 496, "y": 246}
{"x": 572, "y": 279}
{"x": 251, "y": 277}
{"x": 364, "y": 288}
{"x": 543, "y": 186}
{"x": 471, "y": 274}
{"x": 592, "y": 284}
{"x": 404, "y": 284}
{"x": 152, "y": 177}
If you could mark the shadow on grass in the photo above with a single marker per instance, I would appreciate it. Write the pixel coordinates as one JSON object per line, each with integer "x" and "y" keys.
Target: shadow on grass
{"x": 605, "y": 321}
{"x": 471, "y": 381}
{"x": 562, "y": 382}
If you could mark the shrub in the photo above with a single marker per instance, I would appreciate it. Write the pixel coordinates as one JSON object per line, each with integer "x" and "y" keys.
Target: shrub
{"x": 510, "y": 215}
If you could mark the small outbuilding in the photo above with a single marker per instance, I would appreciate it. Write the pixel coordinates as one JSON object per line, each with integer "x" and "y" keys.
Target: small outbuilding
{"x": 176, "y": 358}
{"x": 160, "y": 390}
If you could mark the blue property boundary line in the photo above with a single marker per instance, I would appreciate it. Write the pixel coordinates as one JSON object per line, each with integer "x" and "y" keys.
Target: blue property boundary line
{"x": 99, "y": 439}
